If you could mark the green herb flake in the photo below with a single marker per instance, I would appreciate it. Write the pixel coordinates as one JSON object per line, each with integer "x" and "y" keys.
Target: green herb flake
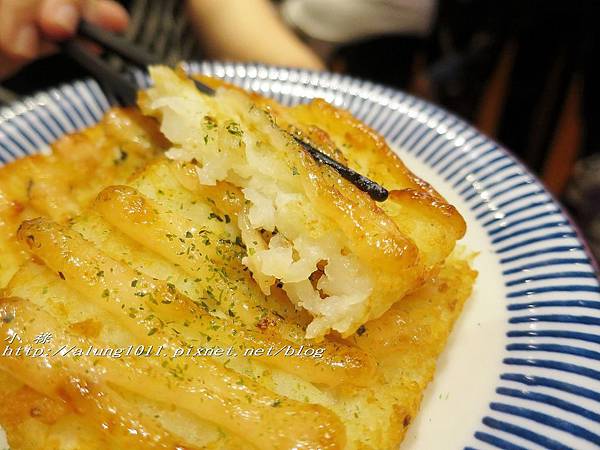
{"x": 123, "y": 155}
{"x": 234, "y": 128}
{"x": 212, "y": 215}
{"x": 210, "y": 122}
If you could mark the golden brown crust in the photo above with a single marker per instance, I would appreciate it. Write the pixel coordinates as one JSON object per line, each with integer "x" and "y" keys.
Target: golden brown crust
{"x": 363, "y": 393}
{"x": 390, "y": 248}
{"x": 61, "y": 184}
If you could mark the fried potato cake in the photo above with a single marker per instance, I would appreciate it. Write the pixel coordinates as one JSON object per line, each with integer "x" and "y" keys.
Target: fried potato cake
{"x": 61, "y": 184}
{"x": 158, "y": 260}
{"x": 375, "y": 416}
{"x": 335, "y": 251}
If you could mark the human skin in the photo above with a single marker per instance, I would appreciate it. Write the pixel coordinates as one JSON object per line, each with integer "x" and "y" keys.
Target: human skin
{"x": 29, "y": 29}
{"x": 249, "y": 30}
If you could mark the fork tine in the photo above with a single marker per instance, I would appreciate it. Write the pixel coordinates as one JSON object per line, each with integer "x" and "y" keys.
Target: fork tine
{"x": 125, "y": 49}
{"x": 372, "y": 188}
{"x": 117, "y": 44}
{"x": 124, "y": 90}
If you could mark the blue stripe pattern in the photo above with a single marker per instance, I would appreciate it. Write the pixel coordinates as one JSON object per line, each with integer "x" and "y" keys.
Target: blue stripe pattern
{"x": 552, "y": 354}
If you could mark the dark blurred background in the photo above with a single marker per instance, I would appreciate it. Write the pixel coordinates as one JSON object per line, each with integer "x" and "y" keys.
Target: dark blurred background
{"x": 523, "y": 72}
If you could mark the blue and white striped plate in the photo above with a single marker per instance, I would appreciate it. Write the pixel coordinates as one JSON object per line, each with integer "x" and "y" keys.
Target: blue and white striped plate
{"x": 522, "y": 368}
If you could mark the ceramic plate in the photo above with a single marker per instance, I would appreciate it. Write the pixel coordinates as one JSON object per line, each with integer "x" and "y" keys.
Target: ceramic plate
{"x": 522, "y": 367}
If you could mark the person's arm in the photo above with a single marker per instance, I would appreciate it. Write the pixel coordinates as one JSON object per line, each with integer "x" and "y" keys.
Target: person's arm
{"x": 249, "y": 30}
{"x": 28, "y": 28}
